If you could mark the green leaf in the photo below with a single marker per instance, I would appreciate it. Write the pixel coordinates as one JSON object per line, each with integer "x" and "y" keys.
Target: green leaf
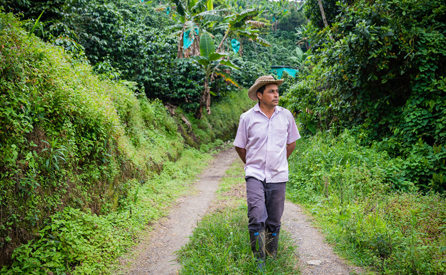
{"x": 229, "y": 64}
{"x": 216, "y": 56}
{"x": 210, "y": 5}
{"x": 35, "y": 24}
{"x": 263, "y": 42}
{"x": 206, "y": 45}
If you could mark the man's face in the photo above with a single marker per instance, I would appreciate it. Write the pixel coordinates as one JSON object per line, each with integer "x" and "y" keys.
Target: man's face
{"x": 270, "y": 96}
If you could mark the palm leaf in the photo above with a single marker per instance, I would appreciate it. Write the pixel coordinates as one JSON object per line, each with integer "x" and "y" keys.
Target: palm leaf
{"x": 216, "y": 56}
{"x": 210, "y": 5}
{"x": 206, "y": 45}
{"x": 200, "y": 60}
{"x": 199, "y": 5}
{"x": 245, "y": 15}
{"x": 250, "y": 34}
{"x": 213, "y": 18}
{"x": 180, "y": 8}
{"x": 256, "y": 24}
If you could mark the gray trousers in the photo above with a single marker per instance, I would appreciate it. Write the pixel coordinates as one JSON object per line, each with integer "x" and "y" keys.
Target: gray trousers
{"x": 265, "y": 204}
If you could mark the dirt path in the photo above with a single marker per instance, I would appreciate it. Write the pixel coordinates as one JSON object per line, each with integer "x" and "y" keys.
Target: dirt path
{"x": 315, "y": 256}
{"x": 156, "y": 253}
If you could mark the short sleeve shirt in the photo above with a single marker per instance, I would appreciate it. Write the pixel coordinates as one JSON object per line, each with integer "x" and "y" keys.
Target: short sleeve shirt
{"x": 265, "y": 141}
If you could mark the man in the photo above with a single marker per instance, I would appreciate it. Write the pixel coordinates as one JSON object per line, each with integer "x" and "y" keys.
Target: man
{"x": 266, "y": 137}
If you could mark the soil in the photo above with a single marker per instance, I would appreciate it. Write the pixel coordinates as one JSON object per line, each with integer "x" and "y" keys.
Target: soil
{"x": 156, "y": 252}
{"x": 315, "y": 256}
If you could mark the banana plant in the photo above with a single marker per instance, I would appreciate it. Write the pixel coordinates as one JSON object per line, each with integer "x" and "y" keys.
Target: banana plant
{"x": 211, "y": 62}
{"x": 300, "y": 59}
{"x": 193, "y": 17}
{"x": 242, "y": 24}
{"x": 278, "y": 9}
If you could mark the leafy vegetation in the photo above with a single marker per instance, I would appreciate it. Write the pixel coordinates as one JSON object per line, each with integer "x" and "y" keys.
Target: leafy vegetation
{"x": 92, "y": 120}
{"x": 81, "y": 242}
{"x": 71, "y": 140}
{"x": 350, "y": 190}
{"x": 383, "y": 75}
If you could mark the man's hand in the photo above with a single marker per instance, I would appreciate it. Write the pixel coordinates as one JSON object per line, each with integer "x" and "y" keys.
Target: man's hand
{"x": 242, "y": 153}
{"x": 289, "y": 149}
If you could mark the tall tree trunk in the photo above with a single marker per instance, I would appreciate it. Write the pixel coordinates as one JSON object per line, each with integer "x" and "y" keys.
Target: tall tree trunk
{"x": 323, "y": 16}
{"x": 208, "y": 95}
{"x": 322, "y": 13}
{"x": 241, "y": 48}
{"x": 205, "y": 99}
{"x": 180, "y": 44}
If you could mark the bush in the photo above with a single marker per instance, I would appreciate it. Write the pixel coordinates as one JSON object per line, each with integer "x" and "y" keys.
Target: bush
{"x": 382, "y": 74}
{"x": 355, "y": 193}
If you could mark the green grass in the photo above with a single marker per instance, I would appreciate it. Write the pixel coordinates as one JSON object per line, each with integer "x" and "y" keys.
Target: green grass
{"x": 348, "y": 189}
{"x": 220, "y": 243}
{"x": 79, "y": 242}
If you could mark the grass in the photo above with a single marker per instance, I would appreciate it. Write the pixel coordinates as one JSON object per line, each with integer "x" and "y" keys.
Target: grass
{"x": 80, "y": 242}
{"x": 220, "y": 243}
{"x": 347, "y": 189}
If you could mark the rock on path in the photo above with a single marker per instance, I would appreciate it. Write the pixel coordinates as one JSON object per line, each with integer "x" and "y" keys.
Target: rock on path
{"x": 315, "y": 256}
{"x": 156, "y": 254}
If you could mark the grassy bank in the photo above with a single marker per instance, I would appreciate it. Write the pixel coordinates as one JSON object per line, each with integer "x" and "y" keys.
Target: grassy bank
{"x": 74, "y": 146}
{"x": 351, "y": 192}
{"x": 220, "y": 243}
{"x": 81, "y": 242}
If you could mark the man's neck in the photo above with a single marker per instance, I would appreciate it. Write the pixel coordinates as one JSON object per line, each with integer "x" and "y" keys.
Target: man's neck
{"x": 267, "y": 110}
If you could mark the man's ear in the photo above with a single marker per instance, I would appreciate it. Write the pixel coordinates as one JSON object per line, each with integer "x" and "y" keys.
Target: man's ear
{"x": 259, "y": 95}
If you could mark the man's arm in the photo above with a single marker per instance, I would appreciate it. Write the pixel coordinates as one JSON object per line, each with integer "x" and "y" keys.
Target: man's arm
{"x": 242, "y": 153}
{"x": 289, "y": 149}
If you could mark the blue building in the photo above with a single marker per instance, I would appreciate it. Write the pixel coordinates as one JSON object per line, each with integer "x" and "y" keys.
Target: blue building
{"x": 278, "y": 70}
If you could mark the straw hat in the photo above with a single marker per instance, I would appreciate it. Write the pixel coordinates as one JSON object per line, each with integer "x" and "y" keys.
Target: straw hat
{"x": 262, "y": 81}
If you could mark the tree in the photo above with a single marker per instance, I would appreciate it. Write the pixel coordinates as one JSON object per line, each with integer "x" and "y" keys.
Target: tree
{"x": 193, "y": 17}
{"x": 241, "y": 24}
{"x": 322, "y": 12}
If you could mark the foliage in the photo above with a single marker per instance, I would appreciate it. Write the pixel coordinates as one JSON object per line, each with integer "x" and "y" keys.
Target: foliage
{"x": 210, "y": 61}
{"x": 69, "y": 139}
{"x": 81, "y": 242}
{"x": 291, "y": 20}
{"x": 383, "y": 74}
{"x": 331, "y": 8}
{"x": 351, "y": 192}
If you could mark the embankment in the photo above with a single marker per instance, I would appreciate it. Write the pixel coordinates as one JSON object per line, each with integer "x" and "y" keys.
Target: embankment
{"x": 72, "y": 145}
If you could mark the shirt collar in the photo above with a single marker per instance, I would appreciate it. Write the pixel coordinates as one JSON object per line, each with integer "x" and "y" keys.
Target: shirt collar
{"x": 276, "y": 110}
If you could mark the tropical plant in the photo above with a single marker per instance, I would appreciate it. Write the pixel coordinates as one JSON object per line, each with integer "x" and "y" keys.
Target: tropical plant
{"x": 192, "y": 17}
{"x": 241, "y": 24}
{"x": 299, "y": 58}
{"x": 210, "y": 60}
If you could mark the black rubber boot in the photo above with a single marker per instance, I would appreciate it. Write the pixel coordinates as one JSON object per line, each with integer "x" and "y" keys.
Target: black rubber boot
{"x": 257, "y": 240}
{"x": 272, "y": 243}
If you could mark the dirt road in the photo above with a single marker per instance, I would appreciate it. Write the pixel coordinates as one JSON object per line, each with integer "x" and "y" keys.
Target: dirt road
{"x": 156, "y": 252}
